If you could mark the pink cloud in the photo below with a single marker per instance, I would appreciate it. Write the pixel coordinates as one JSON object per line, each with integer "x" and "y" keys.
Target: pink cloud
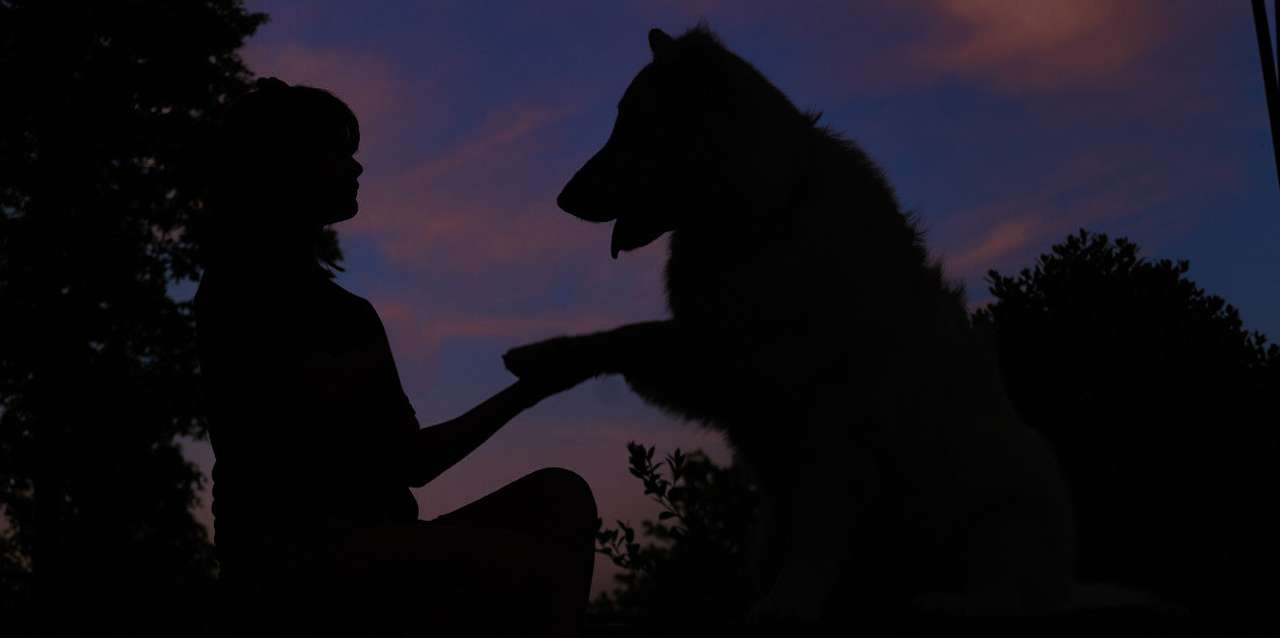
{"x": 477, "y": 204}
{"x": 1005, "y": 238}
{"x": 1042, "y": 44}
{"x": 469, "y": 236}
{"x": 1012, "y": 46}
{"x": 503, "y": 131}
{"x": 1107, "y": 187}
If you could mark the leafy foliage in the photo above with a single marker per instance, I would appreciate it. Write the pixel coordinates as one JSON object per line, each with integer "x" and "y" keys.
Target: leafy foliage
{"x": 694, "y": 568}
{"x": 1162, "y": 409}
{"x": 103, "y": 136}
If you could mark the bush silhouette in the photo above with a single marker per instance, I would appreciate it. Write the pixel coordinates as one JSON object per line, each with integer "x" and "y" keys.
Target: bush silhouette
{"x": 1161, "y": 406}
{"x": 693, "y": 571}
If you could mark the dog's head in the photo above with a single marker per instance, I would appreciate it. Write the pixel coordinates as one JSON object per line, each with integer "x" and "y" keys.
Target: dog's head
{"x": 689, "y": 129}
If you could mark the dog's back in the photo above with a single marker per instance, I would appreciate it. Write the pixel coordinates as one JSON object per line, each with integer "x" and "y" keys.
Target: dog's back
{"x": 839, "y": 291}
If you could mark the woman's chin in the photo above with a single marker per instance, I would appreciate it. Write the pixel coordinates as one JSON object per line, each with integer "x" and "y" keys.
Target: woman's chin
{"x": 342, "y": 215}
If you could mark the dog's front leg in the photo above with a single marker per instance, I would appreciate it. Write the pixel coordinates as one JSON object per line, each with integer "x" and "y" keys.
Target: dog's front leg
{"x": 827, "y": 499}
{"x": 667, "y": 365}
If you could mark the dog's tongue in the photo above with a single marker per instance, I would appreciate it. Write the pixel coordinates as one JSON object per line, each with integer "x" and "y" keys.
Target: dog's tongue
{"x": 615, "y": 242}
{"x": 633, "y": 231}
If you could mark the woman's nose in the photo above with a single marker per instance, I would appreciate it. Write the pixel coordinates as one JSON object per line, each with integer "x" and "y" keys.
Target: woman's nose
{"x": 359, "y": 168}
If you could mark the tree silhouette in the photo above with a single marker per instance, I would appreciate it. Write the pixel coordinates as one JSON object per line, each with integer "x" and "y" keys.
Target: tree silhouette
{"x": 103, "y": 129}
{"x": 1162, "y": 409}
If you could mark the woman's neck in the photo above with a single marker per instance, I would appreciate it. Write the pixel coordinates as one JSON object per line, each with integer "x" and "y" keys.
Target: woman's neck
{"x": 290, "y": 254}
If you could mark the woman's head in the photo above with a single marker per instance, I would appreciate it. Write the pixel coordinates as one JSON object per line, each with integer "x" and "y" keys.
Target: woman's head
{"x": 284, "y": 164}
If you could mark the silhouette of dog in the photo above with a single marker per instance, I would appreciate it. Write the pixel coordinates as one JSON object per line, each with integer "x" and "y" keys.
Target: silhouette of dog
{"x": 809, "y": 325}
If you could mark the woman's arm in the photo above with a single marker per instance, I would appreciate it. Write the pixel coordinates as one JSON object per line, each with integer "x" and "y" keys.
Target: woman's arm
{"x": 439, "y": 447}
{"x": 418, "y": 455}
{"x": 561, "y": 364}
{"x": 659, "y": 360}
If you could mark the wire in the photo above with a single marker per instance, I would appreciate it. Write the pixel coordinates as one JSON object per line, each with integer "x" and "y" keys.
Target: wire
{"x": 1269, "y": 78}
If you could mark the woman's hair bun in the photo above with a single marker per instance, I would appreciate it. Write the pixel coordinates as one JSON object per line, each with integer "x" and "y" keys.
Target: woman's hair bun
{"x": 270, "y": 84}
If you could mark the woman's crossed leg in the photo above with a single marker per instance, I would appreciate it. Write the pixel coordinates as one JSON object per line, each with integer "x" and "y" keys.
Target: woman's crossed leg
{"x": 519, "y": 559}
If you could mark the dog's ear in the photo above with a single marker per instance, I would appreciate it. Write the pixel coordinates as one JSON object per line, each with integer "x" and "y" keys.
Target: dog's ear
{"x": 659, "y": 42}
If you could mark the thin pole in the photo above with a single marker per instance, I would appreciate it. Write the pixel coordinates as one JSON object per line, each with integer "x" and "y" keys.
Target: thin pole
{"x": 1269, "y": 79}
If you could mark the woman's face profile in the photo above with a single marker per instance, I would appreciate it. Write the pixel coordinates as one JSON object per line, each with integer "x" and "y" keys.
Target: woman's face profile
{"x": 330, "y": 184}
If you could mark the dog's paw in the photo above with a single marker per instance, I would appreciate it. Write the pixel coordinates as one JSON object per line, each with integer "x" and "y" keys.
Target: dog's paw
{"x": 531, "y": 359}
{"x": 556, "y": 364}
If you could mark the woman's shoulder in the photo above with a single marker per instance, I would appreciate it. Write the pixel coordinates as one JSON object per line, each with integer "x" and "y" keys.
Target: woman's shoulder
{"x": 309, "y": 308}
{"x": 359, "y": 314}
{"x": 260, "y": 298}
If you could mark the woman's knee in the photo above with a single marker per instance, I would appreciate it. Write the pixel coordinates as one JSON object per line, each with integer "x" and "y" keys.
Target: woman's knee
{"x": 569, "y": 494}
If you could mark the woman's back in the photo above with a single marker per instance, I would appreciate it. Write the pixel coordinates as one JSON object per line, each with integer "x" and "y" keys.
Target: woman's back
{"x": 306, "y": 408}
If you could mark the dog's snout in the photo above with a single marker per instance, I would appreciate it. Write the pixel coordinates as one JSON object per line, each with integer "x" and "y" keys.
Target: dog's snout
{"x": 586, "y": 196}
{"x": 565, "y": 199}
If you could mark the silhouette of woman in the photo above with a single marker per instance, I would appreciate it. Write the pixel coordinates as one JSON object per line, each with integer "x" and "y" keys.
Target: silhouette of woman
{"x": 316, "y": 444}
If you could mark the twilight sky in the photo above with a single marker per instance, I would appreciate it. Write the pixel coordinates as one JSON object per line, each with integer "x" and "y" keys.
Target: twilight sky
{"x": 1005, "y": 125}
